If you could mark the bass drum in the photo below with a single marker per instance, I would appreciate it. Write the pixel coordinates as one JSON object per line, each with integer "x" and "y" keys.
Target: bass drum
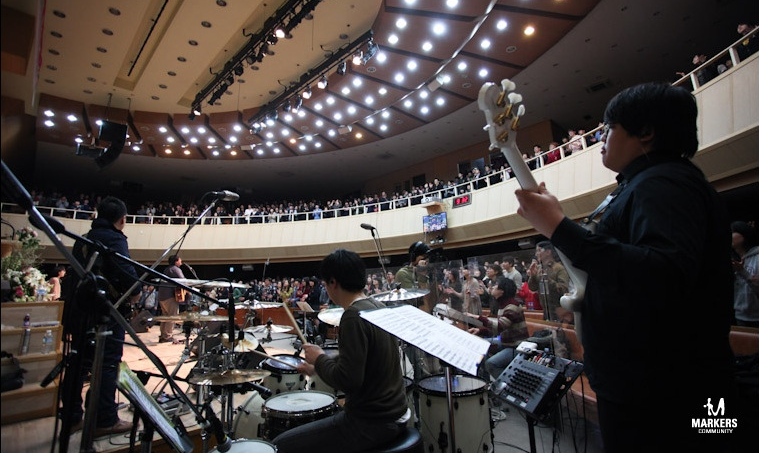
{"x": 471, "y": 413}
{"x": 249, "y": 418}
{"x": 284, "y": 378}
{"x": 316, "y": 383}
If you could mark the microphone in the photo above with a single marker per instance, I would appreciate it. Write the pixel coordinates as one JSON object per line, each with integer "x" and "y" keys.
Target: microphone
{"x": 265, "y": 392}
{"x": 224, "y": 443}
{"x": 366, "y": 226}
{"x": 226, "y": 195}
{"x": 56, "y": 225}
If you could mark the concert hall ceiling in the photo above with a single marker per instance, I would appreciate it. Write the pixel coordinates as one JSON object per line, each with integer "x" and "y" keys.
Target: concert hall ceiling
{"x": 149, "y": 64}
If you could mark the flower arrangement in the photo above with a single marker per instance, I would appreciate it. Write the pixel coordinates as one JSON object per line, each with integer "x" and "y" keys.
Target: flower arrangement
{"x": 19, "y": 268}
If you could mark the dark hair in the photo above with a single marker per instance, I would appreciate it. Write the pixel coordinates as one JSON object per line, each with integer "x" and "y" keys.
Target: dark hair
{"x": 173, "y": 259}
{"x": 111, "y": 209}
{"x": 509, "y": 259}
{"x": 546, "y": 245}
{"x": 668, "y": 112}
{"x": 418, "y": 248}
{"x": 750, "y": 237}
{"x": 57, "y": 269}
{"x": 506, "y": 285}
{"x": 346, "y": 268}
{"x": 495, "y": 267}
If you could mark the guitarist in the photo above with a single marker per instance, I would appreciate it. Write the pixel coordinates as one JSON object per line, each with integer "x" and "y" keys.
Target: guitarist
{"x": 668, "y": 222}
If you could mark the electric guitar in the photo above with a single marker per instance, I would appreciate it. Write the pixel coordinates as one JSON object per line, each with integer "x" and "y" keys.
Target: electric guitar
{"x": 503, "y": 108}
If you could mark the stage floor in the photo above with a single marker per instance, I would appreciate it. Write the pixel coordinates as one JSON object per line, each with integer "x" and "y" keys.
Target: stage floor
{"x": 511, "y": 433}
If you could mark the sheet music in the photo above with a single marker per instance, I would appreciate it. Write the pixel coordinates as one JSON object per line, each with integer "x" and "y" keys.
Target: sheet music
{"x": 450, "y": 344}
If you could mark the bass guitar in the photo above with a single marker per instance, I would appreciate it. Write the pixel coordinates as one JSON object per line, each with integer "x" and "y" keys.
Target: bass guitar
{"x": 503, "y": 108}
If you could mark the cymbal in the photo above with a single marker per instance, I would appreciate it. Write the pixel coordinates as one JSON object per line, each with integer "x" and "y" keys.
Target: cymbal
{"x": 228, "y": 377}
{"x": 331, "y": 316}
{"x": 188, "y": 281}
{"x": 191, "y": 316}
{"x": 222, "y": 284}
{"x": 401, "y": 294}
{"x": 263, "y": 329}
{"x": 260, "y": 305}
{"x": 248, "y": 344}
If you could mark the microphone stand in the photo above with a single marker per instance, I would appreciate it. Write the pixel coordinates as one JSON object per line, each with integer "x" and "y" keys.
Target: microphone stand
{"x": 380, "y": 258}
{"x": 11, "y": 185}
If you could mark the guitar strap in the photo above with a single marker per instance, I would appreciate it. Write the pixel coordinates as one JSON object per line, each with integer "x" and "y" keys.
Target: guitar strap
{"x": 604, "y": 204}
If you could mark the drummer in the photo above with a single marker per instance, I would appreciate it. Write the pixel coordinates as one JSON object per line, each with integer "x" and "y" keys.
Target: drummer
{"x": 366, "y": 368}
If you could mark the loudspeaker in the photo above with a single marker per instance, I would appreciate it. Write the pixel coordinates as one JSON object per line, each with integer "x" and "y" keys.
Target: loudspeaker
{"x": 114, "y": 133}
{"x": 142, "y": 322}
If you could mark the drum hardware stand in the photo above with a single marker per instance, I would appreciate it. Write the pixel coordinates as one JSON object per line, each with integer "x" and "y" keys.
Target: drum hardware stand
{"x": 13, "y": 188}
{"x": 187, "y": 328}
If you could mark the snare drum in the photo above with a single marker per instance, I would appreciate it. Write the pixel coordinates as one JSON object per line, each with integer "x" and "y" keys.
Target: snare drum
{"x": 283, "y": 378}
{"x": 471, "y": 413}
{"x": 249, "y": 419}
{"x": 315, "y": 382}
{"x": 292, "y": 409}
{"x": 249, "y": 446}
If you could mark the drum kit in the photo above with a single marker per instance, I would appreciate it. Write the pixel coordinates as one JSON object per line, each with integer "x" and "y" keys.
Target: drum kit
{"x": 282, "y": 398}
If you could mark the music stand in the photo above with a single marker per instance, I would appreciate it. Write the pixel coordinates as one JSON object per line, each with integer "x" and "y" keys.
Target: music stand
{"x": 453, "y": 346}
{"x": 154, "y": 417}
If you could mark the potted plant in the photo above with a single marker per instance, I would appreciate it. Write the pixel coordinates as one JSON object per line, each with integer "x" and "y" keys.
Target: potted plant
{"x": 19, "y": 268}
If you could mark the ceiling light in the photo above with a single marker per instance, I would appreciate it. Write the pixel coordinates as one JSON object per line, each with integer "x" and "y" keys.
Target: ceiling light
{"x": 342, "y": 67}
{"x": 358, "y": 57}
{"x": 322, "y": 84}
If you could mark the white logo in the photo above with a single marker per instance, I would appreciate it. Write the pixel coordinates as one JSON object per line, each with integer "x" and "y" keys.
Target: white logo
{"x": 715, "y": 421}
{"x": 715, "y": 412}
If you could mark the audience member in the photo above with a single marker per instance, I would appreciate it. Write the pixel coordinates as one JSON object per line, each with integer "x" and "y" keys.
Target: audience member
{"x": 746, "y": 267}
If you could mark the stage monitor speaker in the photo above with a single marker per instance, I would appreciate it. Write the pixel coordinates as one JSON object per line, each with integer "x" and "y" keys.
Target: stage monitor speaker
{"x": 142, "y": 322}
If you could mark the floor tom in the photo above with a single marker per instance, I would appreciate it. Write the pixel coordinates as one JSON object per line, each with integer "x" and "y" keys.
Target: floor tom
{"x": 249, "y": 418}
{"x": 249, "y": 446}
{"x": 471, "y": 415}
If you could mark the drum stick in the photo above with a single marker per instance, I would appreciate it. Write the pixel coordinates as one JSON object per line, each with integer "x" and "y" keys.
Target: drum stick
{"x": 295, "y": 324}
{"x": 262, "y": 354}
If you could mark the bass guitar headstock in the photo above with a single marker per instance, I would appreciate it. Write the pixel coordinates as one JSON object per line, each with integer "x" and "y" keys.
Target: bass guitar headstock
{"x": 503, "y": 108}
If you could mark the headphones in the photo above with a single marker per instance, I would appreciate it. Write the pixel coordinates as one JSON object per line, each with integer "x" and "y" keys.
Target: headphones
{"x": 418, "y": 248}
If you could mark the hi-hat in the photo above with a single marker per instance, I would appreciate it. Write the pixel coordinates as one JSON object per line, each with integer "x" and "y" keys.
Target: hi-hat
{"x": 264, "y": 329}
{"x": 191, "y": 316}
{"x": 401, "y": 294}
{"x": 331, "y": 316}
{"x": 228, "y": 377}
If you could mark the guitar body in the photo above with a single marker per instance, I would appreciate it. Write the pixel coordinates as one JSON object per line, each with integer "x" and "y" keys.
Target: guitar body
{"x": 503, "y": 108}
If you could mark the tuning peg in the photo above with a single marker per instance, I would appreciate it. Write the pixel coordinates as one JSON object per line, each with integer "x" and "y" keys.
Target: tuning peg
{"x": 507, "y": 85}
{"x": 515, "y": 98}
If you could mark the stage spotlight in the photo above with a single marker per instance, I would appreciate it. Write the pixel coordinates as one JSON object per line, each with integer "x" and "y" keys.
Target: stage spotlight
{"x": 287, "y": 106}
{"x": 196, "y": 110}
{"x": 342, "y": 67}
{"x": 307, "y": 93}
{"x": 297, "y": 103}
{"x": 238, "y": 70}
{"x": 371, "y": 50}
{"x": 250, "y": 59}
{"x": 280, "y": 32}
{"x": 322, "y": 84}
{"x": 358, "y": 58}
